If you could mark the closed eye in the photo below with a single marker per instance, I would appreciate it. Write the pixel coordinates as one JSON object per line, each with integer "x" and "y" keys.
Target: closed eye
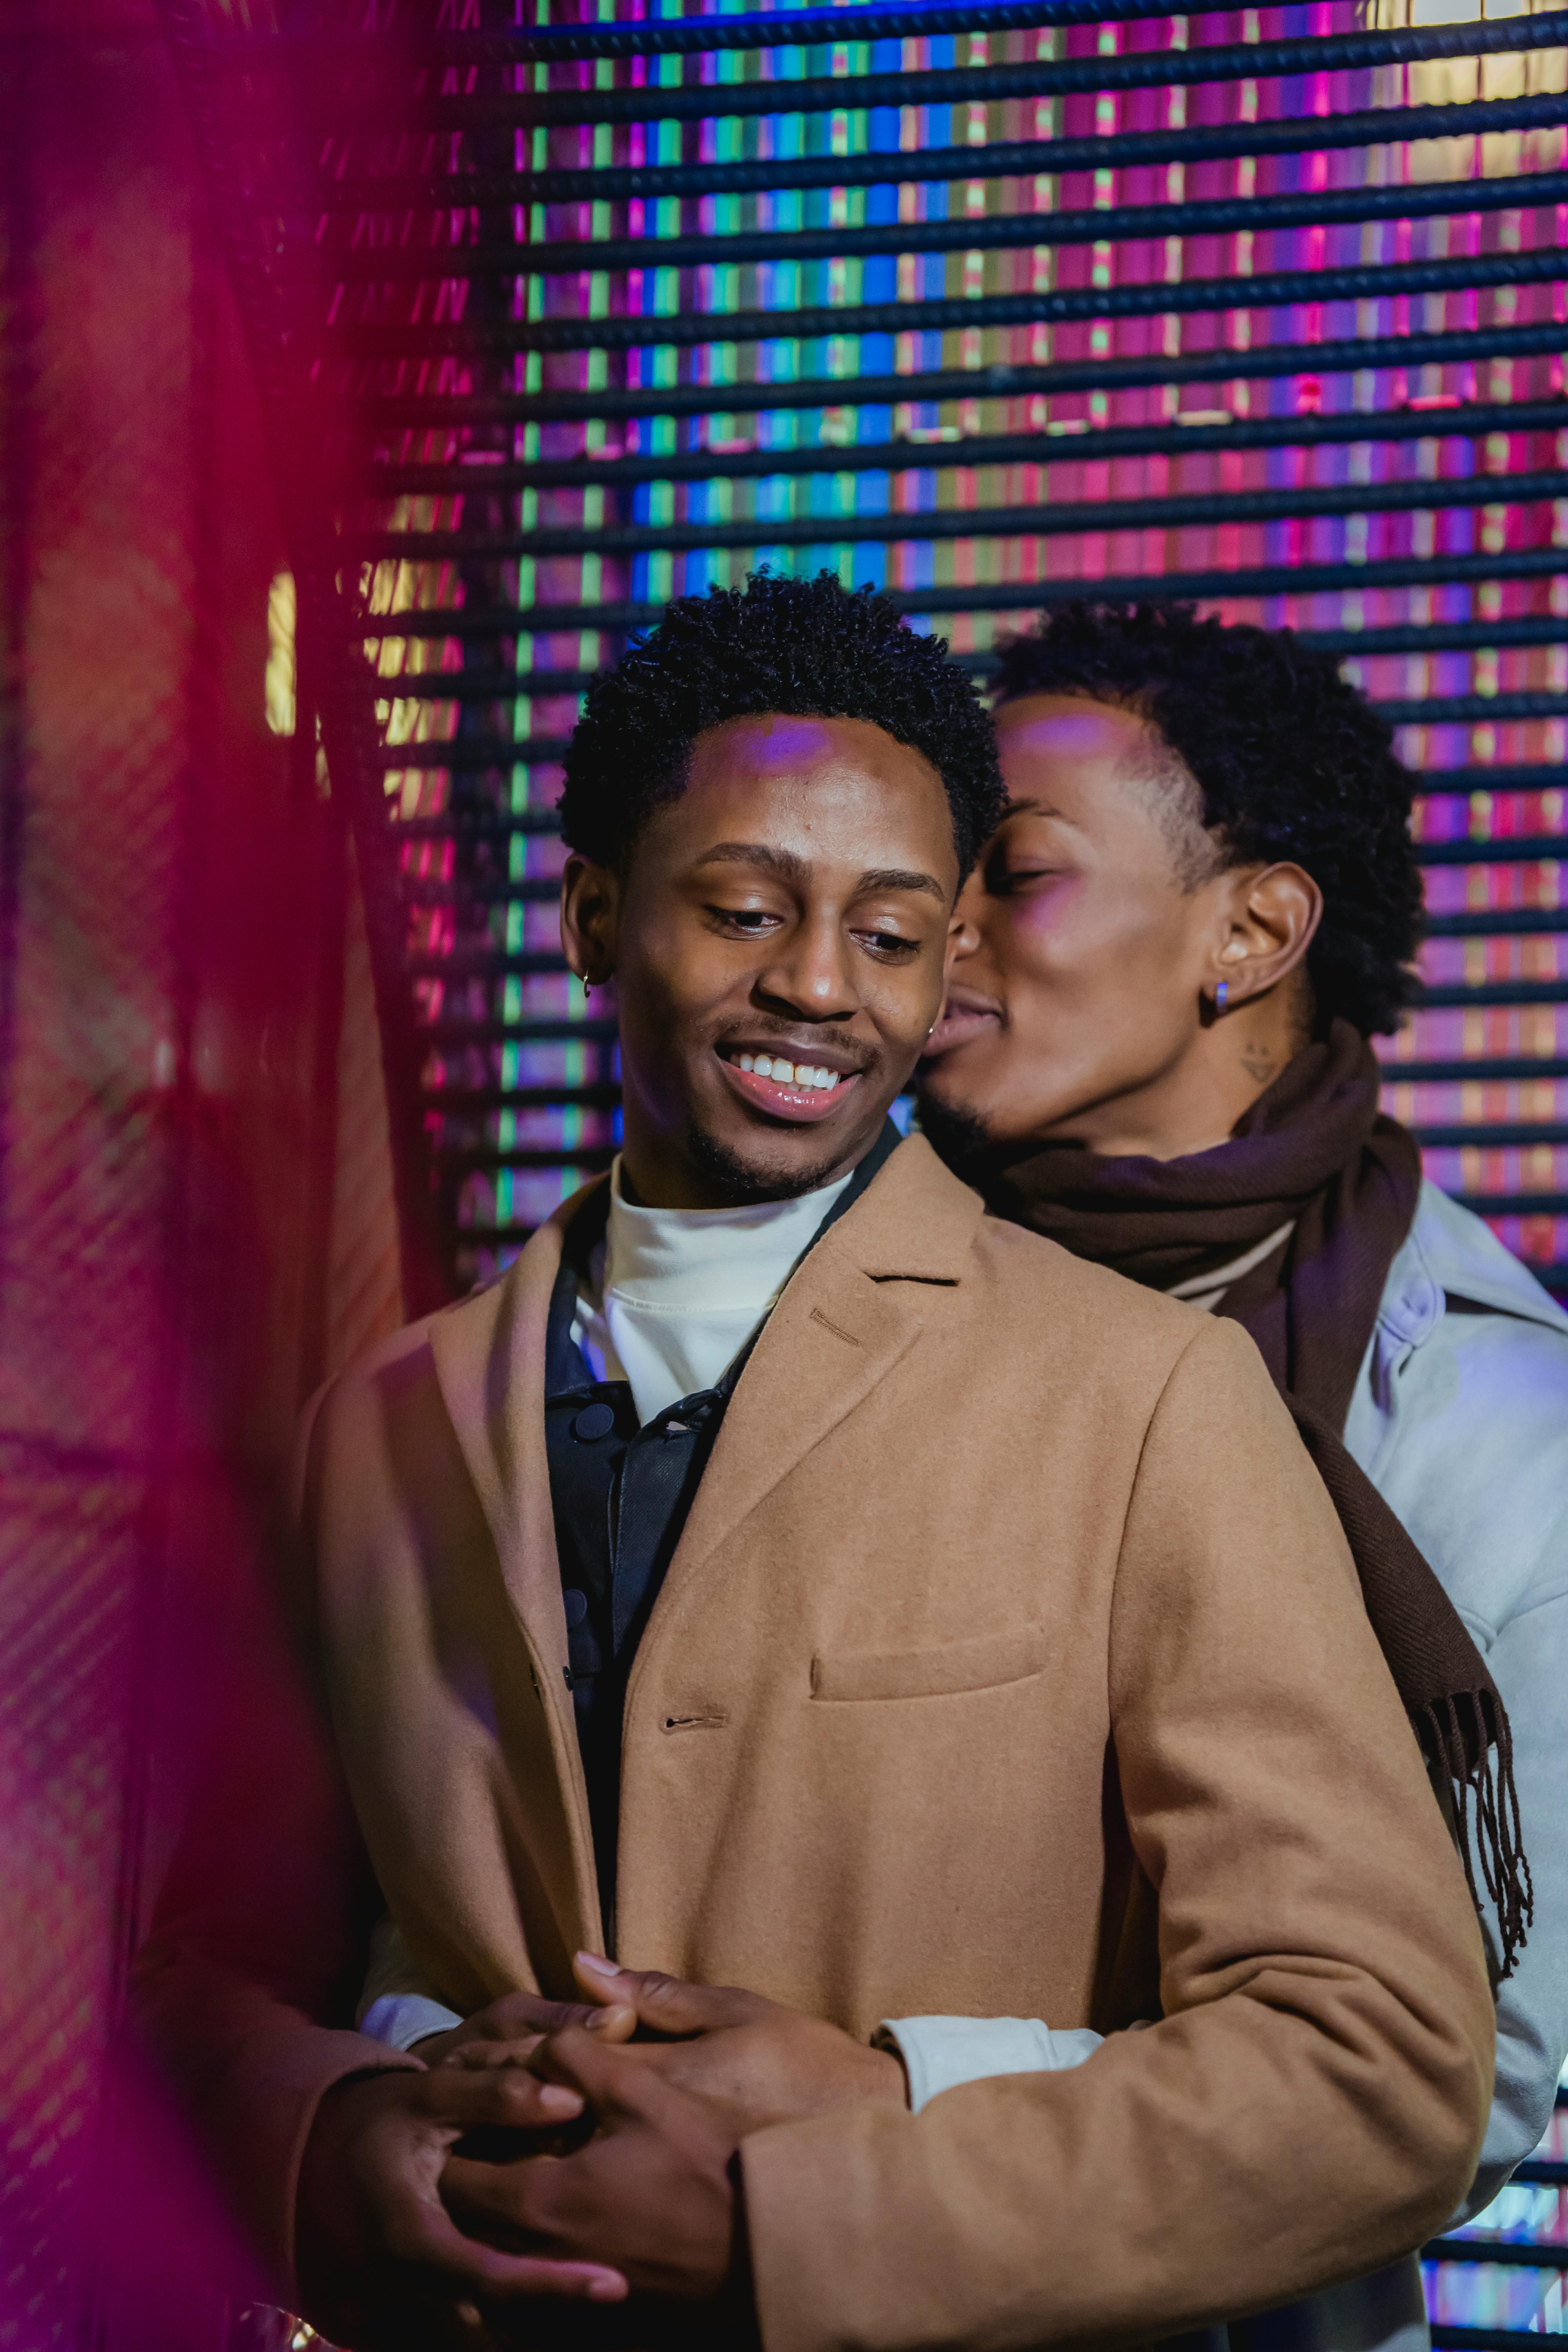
{"x": 750, "y": 922}
{"x": 888, "y": 947}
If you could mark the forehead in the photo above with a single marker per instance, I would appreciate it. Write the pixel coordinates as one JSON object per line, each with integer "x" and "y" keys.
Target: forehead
{"x": 1067, "y": 733}
{"x": 826, "y": 789}
{"x": 777, "y": 748}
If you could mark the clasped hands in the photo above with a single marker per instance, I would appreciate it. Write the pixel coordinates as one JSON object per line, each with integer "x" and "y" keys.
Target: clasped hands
{"x": 561, "y": 2154}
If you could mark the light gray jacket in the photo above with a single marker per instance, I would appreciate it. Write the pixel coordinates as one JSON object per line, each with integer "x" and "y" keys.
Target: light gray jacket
{"x": 1460, "y": 1420}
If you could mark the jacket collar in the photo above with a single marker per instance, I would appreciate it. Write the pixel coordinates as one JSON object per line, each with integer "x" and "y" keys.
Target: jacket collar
{"x": 1450, "y": 1252}
{"x": 852, "y": 1308}
{"x": 844, "y": 1320}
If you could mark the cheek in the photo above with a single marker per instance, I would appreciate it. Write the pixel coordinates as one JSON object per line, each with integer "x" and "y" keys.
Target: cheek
{"x": 1098, "y": 983}
{"x": 1087, "y": 940}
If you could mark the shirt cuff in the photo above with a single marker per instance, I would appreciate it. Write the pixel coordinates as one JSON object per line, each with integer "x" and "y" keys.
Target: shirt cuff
{"x": 402, "y": 2019}
{"x": 940, "y": 2052}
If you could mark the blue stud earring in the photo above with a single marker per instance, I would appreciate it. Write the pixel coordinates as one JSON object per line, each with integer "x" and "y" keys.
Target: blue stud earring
{"x": 1222, "y": 995}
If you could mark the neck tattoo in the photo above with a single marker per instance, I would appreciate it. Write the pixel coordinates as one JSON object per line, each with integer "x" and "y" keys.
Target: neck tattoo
{"x": 1258, "y": 1063}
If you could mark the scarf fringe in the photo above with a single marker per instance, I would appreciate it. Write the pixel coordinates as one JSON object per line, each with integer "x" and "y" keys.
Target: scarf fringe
{"x": 1466, "y": 1737}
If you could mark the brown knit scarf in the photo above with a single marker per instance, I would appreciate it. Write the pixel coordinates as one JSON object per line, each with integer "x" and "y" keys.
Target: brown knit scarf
{"x": 1315, "y": 1148}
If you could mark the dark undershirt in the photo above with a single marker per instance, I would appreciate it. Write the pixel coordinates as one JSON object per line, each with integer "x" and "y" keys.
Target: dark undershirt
{"x": 621, "y": 1496}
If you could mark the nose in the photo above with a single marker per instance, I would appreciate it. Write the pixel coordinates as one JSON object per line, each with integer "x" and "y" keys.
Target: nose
{"x": 810, "y": 976}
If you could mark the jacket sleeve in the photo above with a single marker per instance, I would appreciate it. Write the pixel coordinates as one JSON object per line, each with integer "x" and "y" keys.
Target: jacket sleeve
{"x": 1312, "y": 2101}
{"x": 244, "y": 1992}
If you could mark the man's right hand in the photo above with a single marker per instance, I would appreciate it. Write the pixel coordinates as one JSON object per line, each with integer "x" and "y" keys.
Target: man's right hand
{"x": 508, "y": 2032}
{"x": 382, "y": 2264}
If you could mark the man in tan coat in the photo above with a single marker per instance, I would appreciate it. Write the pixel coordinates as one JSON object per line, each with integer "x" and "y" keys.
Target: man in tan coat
{"x": 789, "y": 1578}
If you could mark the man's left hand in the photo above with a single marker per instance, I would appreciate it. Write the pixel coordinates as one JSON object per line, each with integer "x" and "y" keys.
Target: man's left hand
{"x": 768, "y": 2062}
{"x": 655, "y": 2193}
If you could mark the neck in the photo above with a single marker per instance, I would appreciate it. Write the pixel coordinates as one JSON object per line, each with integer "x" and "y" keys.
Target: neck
{"x": 1194, "y": 1105}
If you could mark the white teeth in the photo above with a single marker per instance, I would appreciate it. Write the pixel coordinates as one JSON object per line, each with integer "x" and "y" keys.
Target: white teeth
{"x": 788, "y": 1074}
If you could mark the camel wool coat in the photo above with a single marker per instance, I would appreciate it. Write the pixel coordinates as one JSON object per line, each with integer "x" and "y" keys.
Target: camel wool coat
{"x": 1011, "y": 1662}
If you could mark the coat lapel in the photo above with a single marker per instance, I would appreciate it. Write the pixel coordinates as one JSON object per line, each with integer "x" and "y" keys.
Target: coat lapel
{"x": 489, "y": 1354}
{"x": 853, "y": 1307}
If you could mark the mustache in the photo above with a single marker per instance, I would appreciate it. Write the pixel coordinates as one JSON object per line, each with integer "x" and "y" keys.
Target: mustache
{"x": 856, "y": 1060}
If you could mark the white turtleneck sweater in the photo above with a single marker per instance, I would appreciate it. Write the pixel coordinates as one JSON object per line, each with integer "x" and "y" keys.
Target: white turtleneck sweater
{"x": 673, "y": 1294}
{"x": 670, "y": 1297}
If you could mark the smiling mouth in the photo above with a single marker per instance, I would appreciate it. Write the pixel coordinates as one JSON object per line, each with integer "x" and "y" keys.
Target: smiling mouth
{"x": 801, "y": 1091}
{"x": 964, "y": 1017}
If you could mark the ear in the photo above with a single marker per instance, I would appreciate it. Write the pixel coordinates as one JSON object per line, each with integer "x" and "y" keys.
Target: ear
{"x": 589, "y": 918}
{"x": 1269, "y": 915}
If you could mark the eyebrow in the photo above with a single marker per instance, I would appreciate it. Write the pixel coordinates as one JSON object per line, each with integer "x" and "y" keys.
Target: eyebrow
{"x": 791, "y": 868}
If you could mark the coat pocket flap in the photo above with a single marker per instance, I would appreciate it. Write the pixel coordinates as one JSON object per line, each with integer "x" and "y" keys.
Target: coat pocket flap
{"x": 982, "y": 1663}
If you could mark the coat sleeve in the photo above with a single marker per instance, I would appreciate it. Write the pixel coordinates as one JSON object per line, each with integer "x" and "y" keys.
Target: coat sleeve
{"x": 1312, "y": 2101}
{"x": 244, "y": 1990}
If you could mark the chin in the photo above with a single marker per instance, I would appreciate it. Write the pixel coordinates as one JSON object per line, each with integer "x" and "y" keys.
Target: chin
{"x": 759, "y": 1164}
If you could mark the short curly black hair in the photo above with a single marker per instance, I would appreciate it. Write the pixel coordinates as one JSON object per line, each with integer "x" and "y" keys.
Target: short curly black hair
{"x": 1293, "y": 763}
{"x": 810, "y": 648}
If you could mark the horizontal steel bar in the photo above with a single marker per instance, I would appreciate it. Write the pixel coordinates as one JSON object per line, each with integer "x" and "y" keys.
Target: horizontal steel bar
{"x": 1499, "y": 922}
{"x": 1522, "y": 849}
{"x": 469, "y": 1158}
{"x": 474, "y": 823}
{"x": 477, "y": 889}
{"x": 1496, "y": 1134}
{"x": 1450, "y": 996}
{"x": 797, "y": 29}
{"x": 967, "y": 84}
{"x": 505, "y": 621}
{"x": 904, "y": 454}
{"x": 475, "y": 754}
{"x": 1547, "y": 2171}
{"x": 1527, "y": 776}
{"x": 1468, "y": 709}
{"x": 1052, "y": 519}
{"x": 1494, "y": 1068}
{"x": 1497, "y": 2249}
{"x": 1342, "y": 356}
{"x": 496, "y": 685}
{"x": 1447, "y": 2339}
{"x": 474, "y": 962}
{"x": 1002, "y": 159}
{"x": 1268, "y": 291}
{"x": 873, "y": 88}
{"x": 451, "y": 1036}
{"x": 996, "y": 232}
{"x": 590, "y": 1094}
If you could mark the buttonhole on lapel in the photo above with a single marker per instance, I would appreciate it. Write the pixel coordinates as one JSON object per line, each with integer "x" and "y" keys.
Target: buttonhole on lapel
{"x": 829, "y": 1325}
{"x": 695, "y": 1722}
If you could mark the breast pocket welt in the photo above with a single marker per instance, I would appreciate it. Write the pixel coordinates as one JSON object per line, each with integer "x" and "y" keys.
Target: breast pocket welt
{"x": 985, "y": 1662}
